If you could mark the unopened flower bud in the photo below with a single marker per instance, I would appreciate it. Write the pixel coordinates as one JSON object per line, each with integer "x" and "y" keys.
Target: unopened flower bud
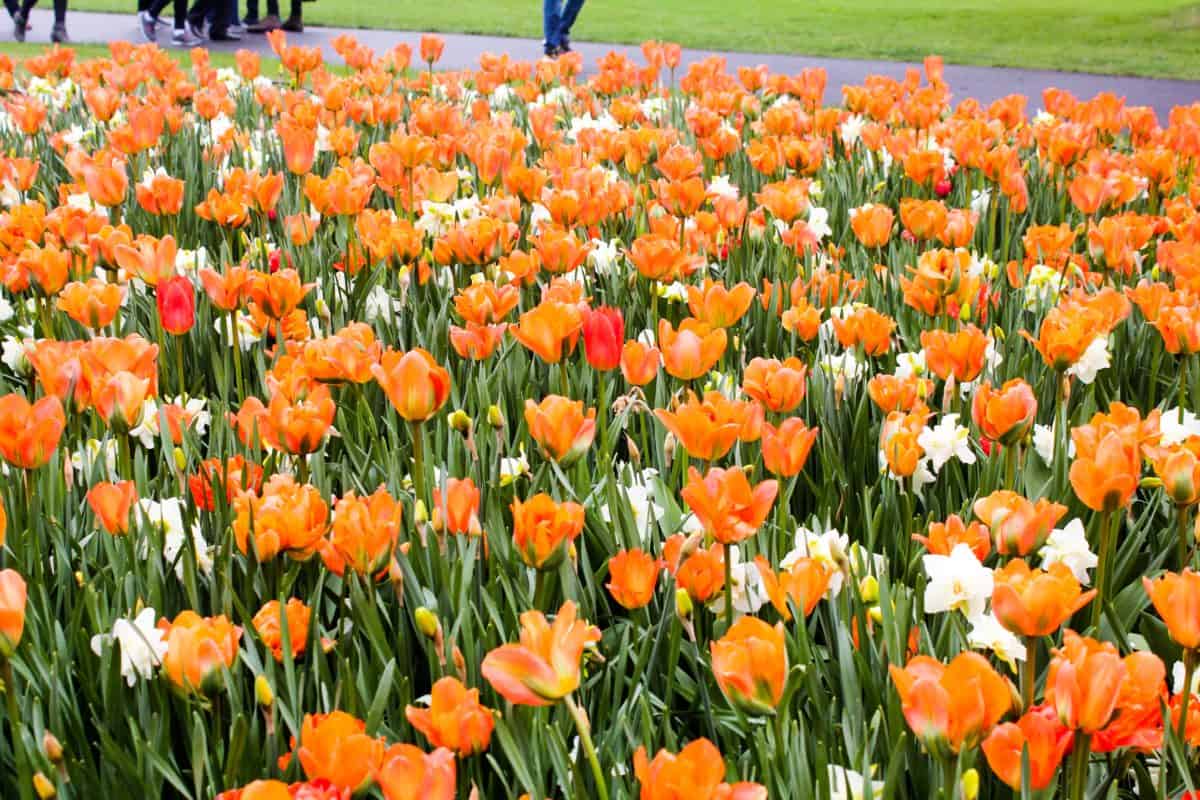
{"x": 970, "y": 784}
{"x": 263, "y": 692}
{"x": 683, "y": 603}
{"x": 180, "y": 459}
{"x": 875, "y": 613}
{"x": 868, "y": 589}
{"x": 495, "y": 416}
{"x": 52, "y": 747}
{"x": 44, "y": 788}
{"x": 460, "y": 421}
{"x": 427, "y": 622}
{"x": 420, "y": 512}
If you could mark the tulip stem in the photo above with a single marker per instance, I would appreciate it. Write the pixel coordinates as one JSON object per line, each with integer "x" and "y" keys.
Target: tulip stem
{"x": 14, "y": 725}
{"x": 1181, "y": 520}
{"x": 562, "y": 378}
{"x": 1107, "y": 529}
{"x": 418, "y": 475}
{"x": 948, "y": 772}
{"x": 1189, "y": 669}
{"x": 585, "y": 738}
{"x": 1011, "y": 455}
{"x": 728, "y": 586}
{"x": 235, "y": 348}
{"x": 1079, "y": 765}
{"x": 179, "y": 368}
{"x": 1029, "y": 672}
{"x": 1183, "y": 379}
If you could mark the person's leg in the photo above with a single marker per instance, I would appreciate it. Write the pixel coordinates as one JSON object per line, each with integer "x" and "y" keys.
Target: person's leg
{"x": 251, "y": 12}
{"x": 58, "y": 34}
{"x": 569, "y": 13}
{"x": 295, "y": 21}
{"x": 551, "y": 19}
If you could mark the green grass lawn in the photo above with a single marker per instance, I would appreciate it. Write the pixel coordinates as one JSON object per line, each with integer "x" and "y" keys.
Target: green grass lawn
{"x": 1142, "y": 37}
{"x": 19, "y": 50}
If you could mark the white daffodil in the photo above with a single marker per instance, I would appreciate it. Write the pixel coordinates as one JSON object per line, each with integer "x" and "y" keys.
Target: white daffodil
{"x": 749, "y": 593}
{"x": 1095, "y": 358}
{"x": 988, "y": 634}
{"x": 142, "y": 645}
{"x": 945, "y": 441}
{"x": 957, "y": 582}
{"x": 846, "y": 784}
{"x": 1068, "y": 545}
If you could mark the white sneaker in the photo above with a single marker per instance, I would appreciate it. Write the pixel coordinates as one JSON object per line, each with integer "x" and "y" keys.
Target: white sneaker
{"x": 182, "y": 37}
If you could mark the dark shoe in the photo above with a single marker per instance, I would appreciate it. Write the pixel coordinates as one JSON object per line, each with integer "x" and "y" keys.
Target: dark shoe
{"x": 182, "y": 37}
{"x": 58, "y": 34}
{"x": 223, "y": 36}
{"x": 149, "y": 26}
{"x": 293, "y": 25}
{"x": 19, "y": 26}
{"x": 565, "y": 47}
{"x": 552, "y": 51}
{"x": 196, "y": 30}
{"x": 265, "y": 25}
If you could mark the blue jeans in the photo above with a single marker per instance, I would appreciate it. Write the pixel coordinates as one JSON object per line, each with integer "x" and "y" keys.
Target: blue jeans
{"x": 557, "y": 18}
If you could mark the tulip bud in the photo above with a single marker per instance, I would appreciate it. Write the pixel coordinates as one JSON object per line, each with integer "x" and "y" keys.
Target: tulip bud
{"x": 44, "y": 788}
{"x": 868, "y": 589}
{"x": 79, "y": 579}
{"x": 12, "y": 611}
{"x": 180, "y": 459}
{"x": 263, "y": 692}
{"x": 460, "y": 421}
{"x": 52, "y": 747}
{"x": 420, "y": 512}
{"x": 875, "y": 613}
{"x": 683, "y": 603}
{"x": 495, "y": 416}
{"x": 1151, "y": 482}
{"x": 427, "y": 622}
{"x": 635, "y": 455}
{"x": 970, "y": 784}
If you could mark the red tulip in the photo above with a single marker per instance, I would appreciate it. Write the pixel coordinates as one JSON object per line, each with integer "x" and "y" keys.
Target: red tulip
{"x": 603, "y": 337}
{"x": 176, "y": 305}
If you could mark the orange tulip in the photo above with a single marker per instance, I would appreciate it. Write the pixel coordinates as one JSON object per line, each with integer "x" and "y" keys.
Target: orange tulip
{"x": 268, "y": 623}
{"x": 416, "y": 385}
{"x": 286, "y": 517}
{"x": 547, "y": 328}
{"x": 561, "y": 428}
{"x": 785, "y": 449}
{"x": 778, "y": 385}
{"x": 696, "y": 773}
{"x": 12, "y": 611}
{"x": 960, "y": 354}
{"x": 198, "y": 649}
{"x": 702, "y": 573}
{"x": 457, "y": 510}
{"x": 1046, "y": 738}
{"x": 633, "y": 574}
{"x": 639, "y": 363}
{"x": 29, "y": 434}
{"x": 543, "y": 529}
{"x": 803, "y": 583}
{"x": 544, "y": 667}
{"x": 161, "y": 195}
{"x": 1064, "y": 336}
{"x": 1084, "y": 681}
{"x": 408, "y": 773}
{"x": 725, "y": 503}
{"x": 1007, "y": 414}
{"x": 335, "y": 747}
{"x": 1179, "y": 327}
{"x": 891, "y": 393}
{"x": 365, "y": 531}
{"x": 692, "y": 350}
{"x": 705, "y": 428}
{"x": 432, "y": 46}
{"x": 718, "y": 307}
{"x": 258, "y": 790}
{"x": 944, "y": 536}
{"x": 750, "y": 665}
{"x": 111, "y": 502}
{"x": 454, "y": 719}
{"x": 1176, "y": 598}
{"x": 298, "y": 418}
{"x": 1106, "y": 479}
{"x": 93, "y": 304}
{"x": 1019, "y": 527}
{"x": 119, "y": 401}
{"x": 231, "y": 477}
{"x": 865, "y": 328}
{"x": 485, "y": 303}
{"x": 277, "y": 294}
{"x": 477, "y": 342}
{"x": 346, "y": 356}
{"x": 660, "y": 258}
{"x": 924, "y": 219}
{"x": 872, "y": 224}
{"x": 898, "y": 440}
{"x": 1178, "y": 468}
{"x": 951, "y": 707}
{"x": 1036, "y": 602}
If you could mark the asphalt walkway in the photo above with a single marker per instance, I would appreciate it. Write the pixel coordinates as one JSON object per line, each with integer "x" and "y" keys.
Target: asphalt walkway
{"x": 463, "y": 50}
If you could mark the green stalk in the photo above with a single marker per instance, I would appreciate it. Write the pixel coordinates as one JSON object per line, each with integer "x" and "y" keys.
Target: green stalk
{"x": 1189, "y": 668}
{"x": 1107, "y": 529}
{"x": 728, "y": 586}
{"x": 179, "y": 368}
{"x": 1029, "y": 672}
{"x": 1079, "y": 766}
{"x": 418, "y": 445}
{"x": 236, "y": 348}
{"x": 1011, "y": 454}
{"x": 585, "y": 738}
{"x": 1183, "y": 379}
{"x": 1181, "y": 520}
{"x": 24, "y": 780}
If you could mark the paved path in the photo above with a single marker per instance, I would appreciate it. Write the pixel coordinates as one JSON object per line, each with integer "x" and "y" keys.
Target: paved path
{"x": 462, "y": 51}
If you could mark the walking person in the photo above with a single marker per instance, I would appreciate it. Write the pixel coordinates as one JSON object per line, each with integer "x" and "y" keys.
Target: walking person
{"x": 58, "y": 34}
{"x": 557, "y": 18}
{"x": 293, "y": 24}
{"x": 149, "y": 20}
